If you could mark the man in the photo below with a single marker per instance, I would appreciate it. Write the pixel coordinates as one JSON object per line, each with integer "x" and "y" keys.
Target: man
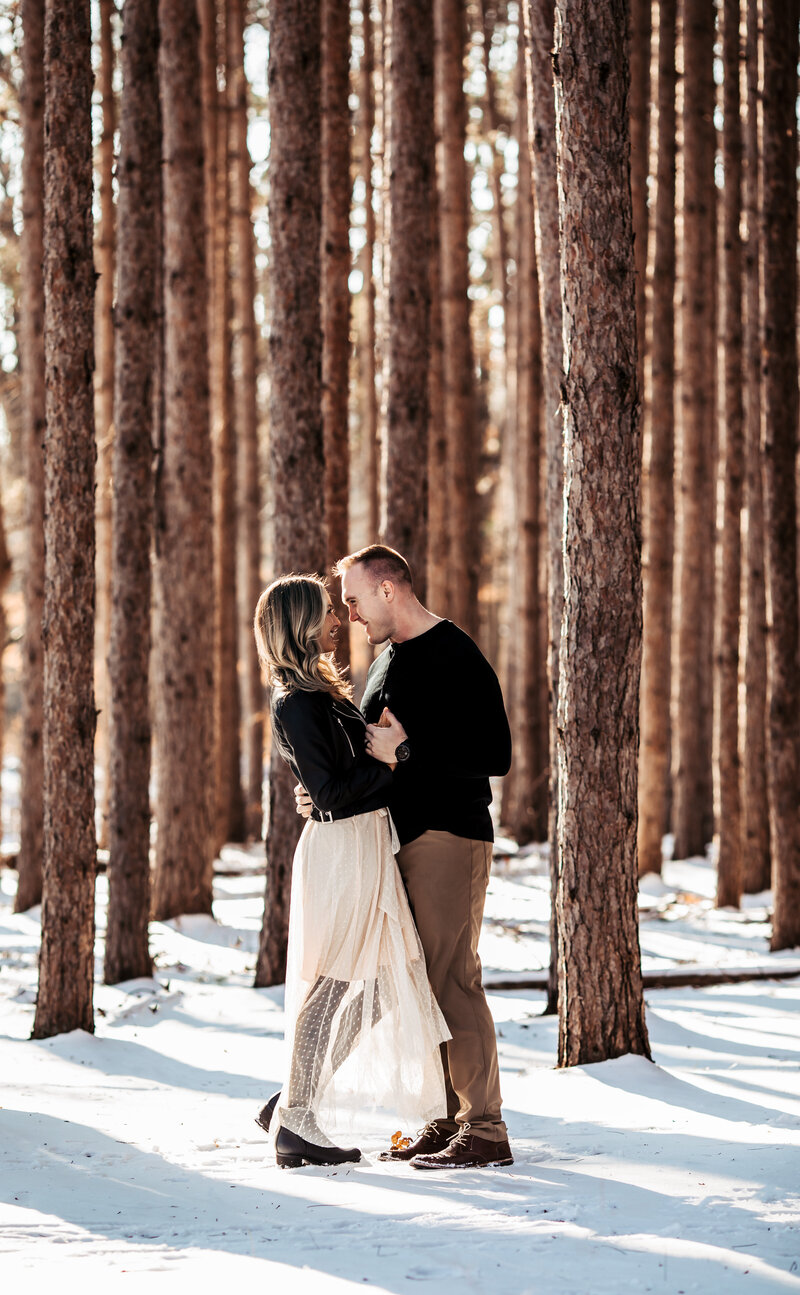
{"x": 444, "y": 725}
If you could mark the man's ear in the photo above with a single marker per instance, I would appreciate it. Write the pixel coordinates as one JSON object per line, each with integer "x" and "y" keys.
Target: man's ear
{"x": 387, "y": 589}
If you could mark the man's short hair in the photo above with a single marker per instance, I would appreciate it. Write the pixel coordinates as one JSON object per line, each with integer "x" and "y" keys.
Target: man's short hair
{"x": 382, "y": 563}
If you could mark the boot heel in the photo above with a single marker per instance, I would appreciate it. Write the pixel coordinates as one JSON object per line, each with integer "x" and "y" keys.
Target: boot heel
{"x": 288, "y": 1162}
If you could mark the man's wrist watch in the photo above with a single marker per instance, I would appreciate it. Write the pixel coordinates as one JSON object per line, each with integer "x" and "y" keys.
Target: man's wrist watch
{"x": 402, "y": 752}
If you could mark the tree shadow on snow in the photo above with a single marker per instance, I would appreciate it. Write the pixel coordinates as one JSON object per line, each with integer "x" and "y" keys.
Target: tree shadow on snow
{"x": 484, "y": 1221}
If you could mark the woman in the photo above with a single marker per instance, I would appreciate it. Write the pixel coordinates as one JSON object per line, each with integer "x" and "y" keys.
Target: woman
{"x": 362, "y": 1023}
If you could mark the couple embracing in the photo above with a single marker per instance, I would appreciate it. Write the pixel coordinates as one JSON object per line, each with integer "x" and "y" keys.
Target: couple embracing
{"x": 383, "y": 981}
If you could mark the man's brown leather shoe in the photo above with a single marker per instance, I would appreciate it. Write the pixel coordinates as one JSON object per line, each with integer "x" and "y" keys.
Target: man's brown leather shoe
{"x": 466, "y": 1151}
{"x": 430, "y": 1140}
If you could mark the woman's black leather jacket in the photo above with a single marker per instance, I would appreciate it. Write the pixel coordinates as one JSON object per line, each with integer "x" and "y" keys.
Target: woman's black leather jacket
{"x": 322, "y": 739}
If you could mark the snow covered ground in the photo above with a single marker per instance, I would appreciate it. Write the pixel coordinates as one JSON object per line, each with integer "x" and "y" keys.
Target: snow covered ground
{"x": 133, "y": 1153}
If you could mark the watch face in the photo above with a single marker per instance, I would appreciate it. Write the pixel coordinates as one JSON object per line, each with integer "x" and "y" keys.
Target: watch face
{"x": 402, "y": 752}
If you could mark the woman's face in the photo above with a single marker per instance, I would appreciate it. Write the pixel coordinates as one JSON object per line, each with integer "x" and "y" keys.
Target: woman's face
{"x": 327, "y": 639}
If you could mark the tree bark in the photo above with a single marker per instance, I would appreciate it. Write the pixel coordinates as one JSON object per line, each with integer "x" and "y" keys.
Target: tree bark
{"x": 639, "y": 25}
{"x": 335, "y": 269}
{"x": 138, "y": 324}
{"x": 489, "y": 18}
{"x": 246, "y": 413}
{"x": 459, "y": 399}
{"x": 438, "y": 484}
{"x": 779, "y": 439}
{"x": 229, "y": 812}
{"x": 184, "y": 565}
{"x": 728, "y": 803}
{"x": 755, "y": 803}
{"x": 66, "y": 963}
{"x": 412, "y": 178}
{"x": 659, "y": 470}
{"x": 695, "y": 546}
{"x": 525, "y": 805}
{"x": 601, "y": 1008}
{"x": 370, "y": 423}
{"x": 29, "y": 859}
{"x": 539, "y": 20}
{"x": 105, "y": 255}
{"x": 296, "y": 453}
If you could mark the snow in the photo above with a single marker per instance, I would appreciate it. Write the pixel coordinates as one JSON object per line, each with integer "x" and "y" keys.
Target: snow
{"x": 134, "y": 1152}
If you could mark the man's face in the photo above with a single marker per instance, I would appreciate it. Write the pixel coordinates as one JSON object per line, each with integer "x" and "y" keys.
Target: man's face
{"x": 369, "y": 604}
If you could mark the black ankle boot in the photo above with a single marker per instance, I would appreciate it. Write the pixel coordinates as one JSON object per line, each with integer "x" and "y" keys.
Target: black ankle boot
{"x": 265, "y": 1114}
{"x": 291, "y": 1151}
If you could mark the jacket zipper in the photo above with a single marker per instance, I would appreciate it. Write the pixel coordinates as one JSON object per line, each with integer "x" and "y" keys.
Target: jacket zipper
{"x": 347, "y": 735}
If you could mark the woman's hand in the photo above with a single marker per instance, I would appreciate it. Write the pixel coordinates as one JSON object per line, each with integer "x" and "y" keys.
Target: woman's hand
{"x": 384, "y": 738}
{"x": 302, "y": 801}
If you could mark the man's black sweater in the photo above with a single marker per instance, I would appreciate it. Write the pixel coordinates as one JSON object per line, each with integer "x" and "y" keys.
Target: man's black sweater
{"x": 448, "y": 699}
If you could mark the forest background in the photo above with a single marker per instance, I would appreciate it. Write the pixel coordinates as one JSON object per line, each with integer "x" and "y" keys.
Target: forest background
{"x": 512, "y": 287}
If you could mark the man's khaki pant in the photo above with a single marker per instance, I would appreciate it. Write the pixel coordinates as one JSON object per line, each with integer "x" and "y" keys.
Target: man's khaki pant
{"x": 446, "y": 878}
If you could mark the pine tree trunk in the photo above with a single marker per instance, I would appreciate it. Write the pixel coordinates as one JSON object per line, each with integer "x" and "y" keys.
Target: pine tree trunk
{"x": 335, "y": 91}
{"x": 539, "y": 19}
{"x": 296, "y": 455}
{"x": 66, "y": 962}
{"x": 29, "y": 860}
{"x": 695, "y": 547}
{"x": 229, "y": 821}
{"x": 639, "y": 24}
{"x": 437, "y": 584}
{"x": 493, "y": 123}
{"x": 105, "y": 253}
{"x": 137, "y": 355}
{"x": 601, "y": 1008}
{"x": 244, "y": 368}
{"x": 755, "y": 805}
{"x": 370, "y": 418}
{"x": 659, "y": 471}
{"x": 459, "y": 399}
{"x": 412, "y": 179}
{"x": 779, "y": 438}
{"x": 184, "y": 599}
{"x": 729, "y": 863}
{"x": 526, "y": 811}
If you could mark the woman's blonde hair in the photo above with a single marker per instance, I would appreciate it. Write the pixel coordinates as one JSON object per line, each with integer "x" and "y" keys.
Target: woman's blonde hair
{"x": 289, "y": 620}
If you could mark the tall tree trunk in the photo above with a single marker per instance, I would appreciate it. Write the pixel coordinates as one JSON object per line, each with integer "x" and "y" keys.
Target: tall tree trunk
{"x": 779, "y": 438}
{"x": 659, "y": 470}
{"x": 459, "y": 399}
{"x": 525, "y": 808}
{"x": 728, "y": 805}
{"x": 229, "y": 821}
{"x": 500, "y": 238}
{"x": 244, "y": 368}
{"x": 639, "y": 24}
{"x": 412, "y": 179}
{"x": 383, "y": 230}
{"x": 296, "y": 455}
{"x": 755, "y": 804}
{"x": 438, "y": 485}
{"x": 601, "y": 1007}
{"x": 29, "y": 860}
{"x": 370, "y": 424}
{"x": 105, "y": 255}
{"x": 695, "y": 547}
{"x": 184, "y": 565}
{"x": 138, "y": 323}
{"x": 66, "y": 962}
{"x": 335, "y": 270}
{"x": 539, "y": 19}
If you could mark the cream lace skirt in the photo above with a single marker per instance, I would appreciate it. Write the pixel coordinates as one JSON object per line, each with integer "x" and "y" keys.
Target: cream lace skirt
{"x": 363, "y": 1027}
